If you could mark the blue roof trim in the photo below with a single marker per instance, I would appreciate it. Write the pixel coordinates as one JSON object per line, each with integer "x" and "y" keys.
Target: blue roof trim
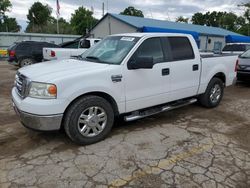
{"x": 236, "y": 38}
{"x": 163, "y": 30}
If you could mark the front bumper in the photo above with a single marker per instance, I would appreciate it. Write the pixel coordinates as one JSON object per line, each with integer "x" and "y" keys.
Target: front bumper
{"x": 242, "y": 75}
{"x": 38, "y": 122}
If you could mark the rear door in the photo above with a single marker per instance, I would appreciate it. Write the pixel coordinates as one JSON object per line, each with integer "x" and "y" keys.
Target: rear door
{"x": 185, "y": 68}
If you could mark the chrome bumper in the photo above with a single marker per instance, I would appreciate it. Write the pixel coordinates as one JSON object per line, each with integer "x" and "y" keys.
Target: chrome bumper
{"x": 38, "y": 122}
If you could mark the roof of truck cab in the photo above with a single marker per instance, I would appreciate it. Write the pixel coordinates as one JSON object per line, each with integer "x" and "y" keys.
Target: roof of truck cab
{"x": 150, "y": 34}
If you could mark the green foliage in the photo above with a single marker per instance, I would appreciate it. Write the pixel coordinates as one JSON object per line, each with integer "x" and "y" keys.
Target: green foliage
{"x": 39, "y": 17}
{"x": 82, "y": 21}
{"x": 132, "y": 11}
{"x": 9, "y": 25}
{"x": 226, "y": 20}
{"x": 182, "y": 19}
{"x": 5, "y": 6}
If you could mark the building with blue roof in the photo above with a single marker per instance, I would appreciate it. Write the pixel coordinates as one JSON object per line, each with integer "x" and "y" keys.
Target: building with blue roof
{"x": 208, "y": 38}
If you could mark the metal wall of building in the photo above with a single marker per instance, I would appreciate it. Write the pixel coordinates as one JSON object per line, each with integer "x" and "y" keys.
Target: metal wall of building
{"x": 109, "y": 26}
{"x": 7, "y": 39}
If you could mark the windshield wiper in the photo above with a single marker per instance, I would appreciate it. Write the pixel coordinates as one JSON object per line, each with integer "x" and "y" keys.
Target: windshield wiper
{"x": 93, "y": 57}
{"x": 77, "y": 57}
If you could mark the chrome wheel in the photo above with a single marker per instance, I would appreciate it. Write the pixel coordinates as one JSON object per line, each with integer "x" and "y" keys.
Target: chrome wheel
{"x": 215, "y": 93}
{"x": 92, "y": 121}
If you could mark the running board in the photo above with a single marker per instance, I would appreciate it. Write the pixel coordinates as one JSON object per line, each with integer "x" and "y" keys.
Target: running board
{"x": 155, "y": 110}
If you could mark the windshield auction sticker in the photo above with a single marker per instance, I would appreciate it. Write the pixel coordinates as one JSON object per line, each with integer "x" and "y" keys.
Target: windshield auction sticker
{"x": 128, "y": 39}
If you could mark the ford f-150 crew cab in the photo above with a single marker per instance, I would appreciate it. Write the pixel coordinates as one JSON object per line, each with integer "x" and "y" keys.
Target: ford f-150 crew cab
{"x": 134, "y": 75}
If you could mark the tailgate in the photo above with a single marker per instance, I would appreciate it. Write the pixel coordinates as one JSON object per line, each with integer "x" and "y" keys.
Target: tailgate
{"x": 47, "y": 54}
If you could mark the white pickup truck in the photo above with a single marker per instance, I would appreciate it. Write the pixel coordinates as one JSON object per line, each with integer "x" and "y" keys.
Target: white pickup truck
{"x": 134, "y": 75}
{"x": 69, "y": 49}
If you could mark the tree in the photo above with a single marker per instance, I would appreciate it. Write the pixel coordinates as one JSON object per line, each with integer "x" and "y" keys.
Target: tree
{"x": 39, "y": 17}
{"x": 82, "y": 21}
{"x": 5, "y": 6}
{"x": 198, "y": 18}
{"x": 9, "y": 25}
{"x": 182, "y": 19}
{"x": 132, "y": 11}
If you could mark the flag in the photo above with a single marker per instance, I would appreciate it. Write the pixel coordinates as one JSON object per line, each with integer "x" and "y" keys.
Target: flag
{"x": 57, "y": 7}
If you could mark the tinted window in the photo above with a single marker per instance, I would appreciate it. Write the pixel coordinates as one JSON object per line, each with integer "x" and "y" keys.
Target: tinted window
{"x": 151, "y": 47}
{"x": 181, "y": 48}
{"x": 234, "y": 47}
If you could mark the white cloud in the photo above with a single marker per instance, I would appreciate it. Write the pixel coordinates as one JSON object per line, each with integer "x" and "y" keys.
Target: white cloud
{"x": 157, "y": 9}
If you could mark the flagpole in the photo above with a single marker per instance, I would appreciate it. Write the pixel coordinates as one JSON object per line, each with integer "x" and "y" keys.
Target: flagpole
{"x": 57, "y": 25}
{"x": 57, "y": 13}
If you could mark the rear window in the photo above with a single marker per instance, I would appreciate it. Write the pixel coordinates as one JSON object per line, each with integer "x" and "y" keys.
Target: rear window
{"x": 181, "y": 48}
{"x": 234, "y": 47}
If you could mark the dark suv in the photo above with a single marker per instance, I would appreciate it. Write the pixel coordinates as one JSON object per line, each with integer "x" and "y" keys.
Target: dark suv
{"x": 27, "y": 52}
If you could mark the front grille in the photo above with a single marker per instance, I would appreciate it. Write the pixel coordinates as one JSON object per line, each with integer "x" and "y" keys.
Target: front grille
{"x": 21, "y": 84}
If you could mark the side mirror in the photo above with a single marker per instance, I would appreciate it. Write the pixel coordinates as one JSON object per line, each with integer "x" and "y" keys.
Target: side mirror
{"x": 84, "y": 44}
{"x": 145, "y": 62}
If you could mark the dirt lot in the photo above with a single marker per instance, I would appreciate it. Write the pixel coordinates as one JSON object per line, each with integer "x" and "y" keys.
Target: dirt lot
{"x": 187, "y": 147}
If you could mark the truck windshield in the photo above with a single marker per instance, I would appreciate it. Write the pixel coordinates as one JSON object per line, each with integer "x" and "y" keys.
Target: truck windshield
{"x": 111, "y": 50}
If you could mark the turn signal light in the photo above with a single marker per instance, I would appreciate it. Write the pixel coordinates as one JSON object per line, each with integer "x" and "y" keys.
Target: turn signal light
{"x": 52, "y": 90}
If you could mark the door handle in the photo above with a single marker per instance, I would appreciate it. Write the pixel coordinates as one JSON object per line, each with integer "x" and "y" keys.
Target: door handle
{"x": 195, "y": 67}
{"x": 165, "y": 72}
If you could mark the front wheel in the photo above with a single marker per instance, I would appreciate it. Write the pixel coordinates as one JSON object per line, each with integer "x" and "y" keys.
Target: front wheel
{"x": 213, "y": 95}
{"x": 89, "y": 120}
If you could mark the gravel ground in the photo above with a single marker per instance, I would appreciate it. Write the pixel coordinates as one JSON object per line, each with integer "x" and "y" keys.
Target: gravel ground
{"x": 187, "y": 147}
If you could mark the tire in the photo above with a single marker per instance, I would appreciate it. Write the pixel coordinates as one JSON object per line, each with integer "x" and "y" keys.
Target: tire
{"x": 213, "y": 95}
{"x": 83, "y": 117}
{"x": 26, "y": 61}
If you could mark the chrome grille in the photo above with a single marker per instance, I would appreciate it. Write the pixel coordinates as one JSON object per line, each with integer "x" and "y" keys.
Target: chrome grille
{"x": 20, "y": 84}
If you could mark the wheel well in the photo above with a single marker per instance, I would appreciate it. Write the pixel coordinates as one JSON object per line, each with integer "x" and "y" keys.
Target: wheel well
{"x": 221, "y": 76}
{"x": 100, "y": 94}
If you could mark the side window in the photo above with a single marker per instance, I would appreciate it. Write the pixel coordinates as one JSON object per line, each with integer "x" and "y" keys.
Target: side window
{"x": 96, "y": 41}
{"x": 151, "y": 47}
{"x": 181, "y": 48}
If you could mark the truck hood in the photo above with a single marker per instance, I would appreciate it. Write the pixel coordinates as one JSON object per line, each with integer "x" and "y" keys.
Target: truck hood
{"x": 50, "y": 68}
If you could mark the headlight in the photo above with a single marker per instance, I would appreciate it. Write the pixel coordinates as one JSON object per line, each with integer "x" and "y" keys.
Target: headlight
{"x": 42, "y": 90}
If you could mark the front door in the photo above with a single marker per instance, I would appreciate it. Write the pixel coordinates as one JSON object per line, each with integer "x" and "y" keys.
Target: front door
{"x": 145, "y": 87}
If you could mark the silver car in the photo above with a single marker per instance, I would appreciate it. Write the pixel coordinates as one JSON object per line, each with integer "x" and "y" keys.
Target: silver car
{"x": 243, "y": 66}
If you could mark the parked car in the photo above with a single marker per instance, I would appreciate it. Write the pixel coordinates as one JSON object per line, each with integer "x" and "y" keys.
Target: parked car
{"x": 69, "y": 49}
{"x": 243, "y": 66}
{"x": 236, "y": 48}
{"x": 132, "y": 75}
{"x": 27, "y": 52}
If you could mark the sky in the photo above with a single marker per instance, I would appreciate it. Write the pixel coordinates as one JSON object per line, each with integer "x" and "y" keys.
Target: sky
{"x": 156, "y": 9}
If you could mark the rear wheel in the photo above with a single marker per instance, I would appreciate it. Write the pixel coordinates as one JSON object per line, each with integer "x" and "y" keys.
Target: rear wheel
{"x": 89, "y": 120}
{"x": 213, "y": 95}
{"x": 26, "y": 61}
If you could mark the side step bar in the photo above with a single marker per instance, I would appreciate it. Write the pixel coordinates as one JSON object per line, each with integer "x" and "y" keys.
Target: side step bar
{"x": 152, "y": 111}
